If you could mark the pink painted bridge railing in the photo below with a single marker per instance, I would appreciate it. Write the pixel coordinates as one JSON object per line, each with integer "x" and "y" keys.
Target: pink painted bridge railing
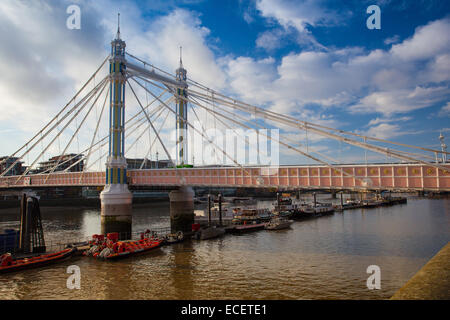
{"x": 380, "y": 176}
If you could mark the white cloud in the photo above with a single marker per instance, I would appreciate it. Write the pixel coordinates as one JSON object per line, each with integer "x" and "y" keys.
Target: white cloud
{"x": 387, "y": 120}
{"x": 377, "y": 81}
{"x": 43, "y": 63}
{"x": 392, "y": 40}
{"x": 387, "y": 131}
{"x": 428, "y": 42}
{"x": 400, "y": 101}
{"x": 247, "y": 17}
{"x": 297, "y": 14}
{"x": 271, "y": 39}
{"x": 161, "y": 41}
{"x": 445, "y": 110}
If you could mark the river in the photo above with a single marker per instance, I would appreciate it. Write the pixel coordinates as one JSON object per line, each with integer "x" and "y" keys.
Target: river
{"x": 321, "y": 258}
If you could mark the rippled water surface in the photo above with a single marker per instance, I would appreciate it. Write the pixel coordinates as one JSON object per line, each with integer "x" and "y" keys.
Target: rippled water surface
{"x": 322, "y": 258}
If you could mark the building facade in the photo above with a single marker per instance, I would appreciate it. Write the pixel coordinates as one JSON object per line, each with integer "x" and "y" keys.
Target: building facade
{"x": 6, "y": 162}
{"x": 72, "y": 162}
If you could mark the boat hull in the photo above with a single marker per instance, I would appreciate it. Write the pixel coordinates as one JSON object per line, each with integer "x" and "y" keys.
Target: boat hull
{"x": 211, "y": 233}
{"x": 130, "y": 253}
{"x": 248, "y": 227}
{"x": 279, "y": 226}
{"x": 38, "y": 261}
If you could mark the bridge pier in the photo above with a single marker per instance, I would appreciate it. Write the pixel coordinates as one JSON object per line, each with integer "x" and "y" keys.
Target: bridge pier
{"x": 116, "y": 210}
{"x": 182, "y": 209}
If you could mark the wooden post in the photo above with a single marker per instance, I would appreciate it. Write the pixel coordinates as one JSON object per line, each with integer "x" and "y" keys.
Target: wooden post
{"x": 209, "y": 210}
{"x": 220, "y": 209}
{"x": 27, "y": 226}
{"x": 23, "y": 215}
{"x": 278, "y": 202}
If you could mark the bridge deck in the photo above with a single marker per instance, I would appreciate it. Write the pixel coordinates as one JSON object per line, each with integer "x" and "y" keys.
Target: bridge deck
{"x": 375, "y": 176}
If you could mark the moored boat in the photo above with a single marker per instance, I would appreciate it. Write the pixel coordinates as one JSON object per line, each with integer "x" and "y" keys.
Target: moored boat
{"x": 132, "y": 248}
{"x": 247, "y": 227}
{"x": 308, "y": 210}
{"x": 209, "y": 233}
{"x": 283, "y": 213}
{"x": 324, "y": 209}
{"x": 112, "y": 249}
{"x": 173, "y": 238}
{"x": 278, "y": 223}
{"x": 251, "y": 215}
{"x": 10, "y": 264}
{"x": 285, "y": 199}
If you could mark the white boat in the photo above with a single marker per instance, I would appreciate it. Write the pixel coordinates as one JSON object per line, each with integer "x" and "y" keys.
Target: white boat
{"x": 324, "y": 208}
{"x": 173, "y": 238}
{"x": 278, "y": 223}
{"x": 251, "y": 214}
{"x": 201, "y": 216}
{"x": 319, "y": 209}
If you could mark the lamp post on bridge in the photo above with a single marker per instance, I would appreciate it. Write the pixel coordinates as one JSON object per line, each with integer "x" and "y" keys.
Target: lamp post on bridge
{"x": 116, "y": 199}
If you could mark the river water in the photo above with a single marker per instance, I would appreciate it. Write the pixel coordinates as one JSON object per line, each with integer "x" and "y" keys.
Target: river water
{"x": 321, "y": 258}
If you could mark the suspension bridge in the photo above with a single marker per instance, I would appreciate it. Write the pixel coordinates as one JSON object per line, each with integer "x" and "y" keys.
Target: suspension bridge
{"x": 158, "y": 95}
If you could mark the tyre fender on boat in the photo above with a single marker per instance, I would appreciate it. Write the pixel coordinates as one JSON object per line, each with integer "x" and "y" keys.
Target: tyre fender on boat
{"x": 121, "y": 247}
{"x": 105, "y": 252}
{"x": 6, "y": 259}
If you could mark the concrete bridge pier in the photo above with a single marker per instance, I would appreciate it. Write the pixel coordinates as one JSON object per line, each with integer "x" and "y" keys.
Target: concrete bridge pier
{"x": 182, "y": 209}
{"x": 116, "y": 213}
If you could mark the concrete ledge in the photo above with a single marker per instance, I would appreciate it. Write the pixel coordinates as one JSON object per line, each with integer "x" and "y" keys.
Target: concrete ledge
{"x": 432, "y": 282}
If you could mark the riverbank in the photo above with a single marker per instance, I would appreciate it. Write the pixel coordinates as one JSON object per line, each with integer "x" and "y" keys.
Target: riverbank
{"x": 432, "y": 282}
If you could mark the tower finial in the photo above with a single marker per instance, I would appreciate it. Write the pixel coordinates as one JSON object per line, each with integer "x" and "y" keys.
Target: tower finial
{"x": 118, "y": 25}
{"x": 181, "y": 61}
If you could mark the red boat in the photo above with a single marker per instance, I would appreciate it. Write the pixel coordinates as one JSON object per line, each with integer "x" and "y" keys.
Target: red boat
{"x": 112, "y": 249}
{"x": 9, "y": 264}
{"x": 133, "y": 248}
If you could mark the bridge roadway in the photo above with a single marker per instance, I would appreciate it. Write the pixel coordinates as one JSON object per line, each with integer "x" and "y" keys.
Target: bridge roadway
{"x": 401, "y": 177}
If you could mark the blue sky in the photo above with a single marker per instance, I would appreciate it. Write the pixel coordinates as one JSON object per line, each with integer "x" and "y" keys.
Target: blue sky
{"x": 315, "y": 60}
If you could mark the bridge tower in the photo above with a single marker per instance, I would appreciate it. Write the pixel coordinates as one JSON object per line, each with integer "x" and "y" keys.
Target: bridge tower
{"x": 181, "y": 200}
{"x": 181, "y": 125}
{"x": 443, "y": 148}
{"x": 116, "y": 199}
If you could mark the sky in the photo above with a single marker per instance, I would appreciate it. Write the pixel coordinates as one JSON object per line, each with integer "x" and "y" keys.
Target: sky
{"x": 315, "y": 60}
